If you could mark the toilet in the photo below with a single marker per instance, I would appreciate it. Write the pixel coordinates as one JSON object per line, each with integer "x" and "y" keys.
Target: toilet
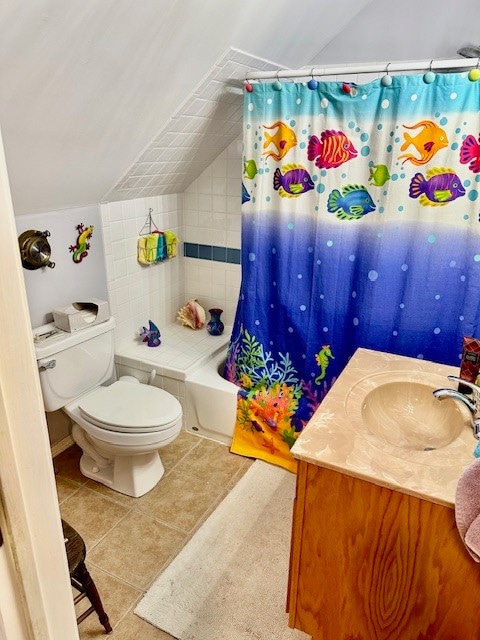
{"x": 118, "y": 425}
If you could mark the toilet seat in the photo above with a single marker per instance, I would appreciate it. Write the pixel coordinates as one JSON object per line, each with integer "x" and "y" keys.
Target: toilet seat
{"x": 130, "y": 408}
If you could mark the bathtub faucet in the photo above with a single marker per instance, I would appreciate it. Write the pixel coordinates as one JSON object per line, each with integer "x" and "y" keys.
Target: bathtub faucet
{"x": 472, "y": 404}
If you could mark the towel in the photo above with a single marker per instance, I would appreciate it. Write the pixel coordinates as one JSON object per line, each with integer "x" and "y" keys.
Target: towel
{"x": 171, "y": 241}
{"x": 151, "y": 247}
{"x": 467, "y": 509}
{"x": 142, "y": 250}
{"x": 161, "y": 247}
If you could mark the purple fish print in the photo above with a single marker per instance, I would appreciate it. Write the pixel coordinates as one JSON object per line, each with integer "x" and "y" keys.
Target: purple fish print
{"x": 294, "y": 181}
{"x": 439, "y": 187}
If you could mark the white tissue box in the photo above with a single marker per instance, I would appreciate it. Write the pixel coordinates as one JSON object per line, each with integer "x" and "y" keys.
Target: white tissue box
{"x": 79, "y": 315}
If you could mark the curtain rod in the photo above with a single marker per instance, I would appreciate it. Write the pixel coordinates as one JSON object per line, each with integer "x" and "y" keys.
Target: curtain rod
{"x": 374, "y": 67}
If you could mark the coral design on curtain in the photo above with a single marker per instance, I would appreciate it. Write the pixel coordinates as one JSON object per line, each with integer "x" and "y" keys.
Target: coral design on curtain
{"x": 360, "y": 228}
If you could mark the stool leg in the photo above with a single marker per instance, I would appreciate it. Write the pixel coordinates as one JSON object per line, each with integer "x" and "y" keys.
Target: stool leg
{"x": 85, "y": 579}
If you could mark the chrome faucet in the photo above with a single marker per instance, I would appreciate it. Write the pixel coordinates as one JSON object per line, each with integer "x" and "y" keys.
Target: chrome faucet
{"x": 472, "y": 404}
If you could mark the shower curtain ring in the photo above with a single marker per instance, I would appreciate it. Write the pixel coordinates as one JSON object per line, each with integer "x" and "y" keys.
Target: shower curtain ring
{"x": 277, "y": 85}
{"x": 248, "y": 85}
{"x": 474, "y": 74}
{"x": 312, "y": 83}
{"x": 387, "y": 79}
{"x": 429, "y": 77}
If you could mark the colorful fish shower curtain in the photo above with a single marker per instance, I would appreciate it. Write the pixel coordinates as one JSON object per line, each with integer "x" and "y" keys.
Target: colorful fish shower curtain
{"x": 360, "y": 228}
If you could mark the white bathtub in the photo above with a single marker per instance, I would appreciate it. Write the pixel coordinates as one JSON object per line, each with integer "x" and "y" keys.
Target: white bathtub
{"x": 186, "y": 365}
{"x": 211, "y": 401}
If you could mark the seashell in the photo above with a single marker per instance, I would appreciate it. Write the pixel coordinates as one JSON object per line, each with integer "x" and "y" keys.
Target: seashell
{"x": 192, "y": 315}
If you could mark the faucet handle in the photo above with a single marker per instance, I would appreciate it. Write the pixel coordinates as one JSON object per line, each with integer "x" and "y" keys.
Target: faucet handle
{"x": 471, "y": 385}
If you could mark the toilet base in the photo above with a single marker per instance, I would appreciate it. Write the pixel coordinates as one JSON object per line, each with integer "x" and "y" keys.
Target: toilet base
{"x": 132, "y": 475}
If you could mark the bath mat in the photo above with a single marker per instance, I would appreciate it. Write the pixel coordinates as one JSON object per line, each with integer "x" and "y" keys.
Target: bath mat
{"x": 230, "y": 580}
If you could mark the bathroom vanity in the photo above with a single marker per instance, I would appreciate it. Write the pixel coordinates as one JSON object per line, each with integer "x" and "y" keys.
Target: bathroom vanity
{"x": 375, "y": 552}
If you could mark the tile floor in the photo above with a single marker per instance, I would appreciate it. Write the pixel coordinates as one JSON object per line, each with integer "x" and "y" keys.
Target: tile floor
{"x": 130, "y": 540}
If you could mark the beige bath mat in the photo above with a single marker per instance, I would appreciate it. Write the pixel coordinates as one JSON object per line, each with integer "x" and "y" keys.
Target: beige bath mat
{"x": 230, "y": 580}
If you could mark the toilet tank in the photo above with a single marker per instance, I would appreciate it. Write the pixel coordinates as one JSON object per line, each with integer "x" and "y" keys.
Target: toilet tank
{"x": 71, "y": 364}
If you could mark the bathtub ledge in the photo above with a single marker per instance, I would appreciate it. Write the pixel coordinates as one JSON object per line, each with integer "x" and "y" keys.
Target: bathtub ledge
{"x": 181, "y": 352}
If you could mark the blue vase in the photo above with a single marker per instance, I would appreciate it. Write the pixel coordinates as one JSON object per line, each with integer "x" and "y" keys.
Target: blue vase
{"x": 215, "y": 326}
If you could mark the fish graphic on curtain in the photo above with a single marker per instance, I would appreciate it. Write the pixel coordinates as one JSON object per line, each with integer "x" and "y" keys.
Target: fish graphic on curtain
{"x": 360, "y": 228}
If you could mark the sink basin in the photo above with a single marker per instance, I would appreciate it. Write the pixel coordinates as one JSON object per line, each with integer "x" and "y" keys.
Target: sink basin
{"x": 405, "y": 414}
{"x": 397, "y": 411}
{"x": 381, "y": 423}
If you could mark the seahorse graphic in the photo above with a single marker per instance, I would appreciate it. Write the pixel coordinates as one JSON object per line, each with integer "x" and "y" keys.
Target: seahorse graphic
{"x": 323, "y": 361}
{"x": 80, "y": 250}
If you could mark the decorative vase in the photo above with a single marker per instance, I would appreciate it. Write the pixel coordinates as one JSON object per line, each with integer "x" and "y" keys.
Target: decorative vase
{"x": 215, "y": 326}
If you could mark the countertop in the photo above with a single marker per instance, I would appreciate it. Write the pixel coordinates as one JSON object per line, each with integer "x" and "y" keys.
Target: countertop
{"x": 339, "y": 437}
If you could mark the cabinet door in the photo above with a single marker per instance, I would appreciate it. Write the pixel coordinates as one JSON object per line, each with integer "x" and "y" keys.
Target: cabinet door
{"x": 376, "y": 563}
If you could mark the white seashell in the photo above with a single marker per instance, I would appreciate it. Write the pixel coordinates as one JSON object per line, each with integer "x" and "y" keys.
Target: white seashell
{"x": 192, "y": 315}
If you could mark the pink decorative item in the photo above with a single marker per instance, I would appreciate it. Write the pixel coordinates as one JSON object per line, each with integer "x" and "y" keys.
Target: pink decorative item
{"x": 192, "y": 315}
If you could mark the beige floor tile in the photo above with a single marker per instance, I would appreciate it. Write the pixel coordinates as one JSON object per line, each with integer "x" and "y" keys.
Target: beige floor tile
{"x": 91, "y": 514}
{"x": 67, "y": 464}
{"x": 65, "y": 488}
{"x": 180, "y": 499}
{"x": 211, "y": 460}
{"x": 117, "y": 597}
{"x": 106, "y": 492}
{"x": 176, "y": 450}
{"x": 243, "y": 469}
{"x": 134, "y": 628}
{"x": 137, "y": 549}
{"x": 130, "y": 540}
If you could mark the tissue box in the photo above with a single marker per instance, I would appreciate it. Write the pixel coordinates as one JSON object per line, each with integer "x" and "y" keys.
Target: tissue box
{"x": 80, "y": 315}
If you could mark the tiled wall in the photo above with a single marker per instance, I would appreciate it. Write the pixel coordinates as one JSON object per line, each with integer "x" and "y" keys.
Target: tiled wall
{"x": 207, "y": 219}
{"x": 139, "y": 293}
{"x": 212, "y": 230}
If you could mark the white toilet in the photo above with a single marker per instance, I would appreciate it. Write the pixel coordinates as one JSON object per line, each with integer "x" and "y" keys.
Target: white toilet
{"x": 119, "y": 427}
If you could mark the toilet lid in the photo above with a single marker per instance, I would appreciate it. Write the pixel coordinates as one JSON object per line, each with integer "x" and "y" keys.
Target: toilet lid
{"x": 124, "y": 406}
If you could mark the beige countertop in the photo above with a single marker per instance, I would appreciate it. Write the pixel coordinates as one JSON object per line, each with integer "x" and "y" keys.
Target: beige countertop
{"x": 381, "y": 423}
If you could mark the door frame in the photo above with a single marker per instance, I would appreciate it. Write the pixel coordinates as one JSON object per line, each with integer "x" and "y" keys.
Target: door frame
{"x": 29, "y": 512}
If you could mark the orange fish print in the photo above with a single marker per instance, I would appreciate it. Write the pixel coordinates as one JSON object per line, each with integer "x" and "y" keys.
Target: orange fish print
{"x": 283, "y": 140}
{"x": 332, "y": 150}
{"x": 470, "y": 153}
{"x": 431, "y": 139}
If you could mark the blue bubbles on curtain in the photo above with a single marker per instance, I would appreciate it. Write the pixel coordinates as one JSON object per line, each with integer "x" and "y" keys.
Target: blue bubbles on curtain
{"x": 380, "y": 251}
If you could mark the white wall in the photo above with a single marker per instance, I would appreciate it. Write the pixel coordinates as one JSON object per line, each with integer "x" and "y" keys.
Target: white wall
{"x": 68, "y": 281}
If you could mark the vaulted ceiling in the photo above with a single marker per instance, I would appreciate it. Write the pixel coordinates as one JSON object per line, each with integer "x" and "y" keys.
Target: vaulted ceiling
{"x": 94, "y": 93}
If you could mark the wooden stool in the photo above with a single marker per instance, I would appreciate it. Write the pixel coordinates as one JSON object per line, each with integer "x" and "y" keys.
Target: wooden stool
{"x": 80, "y": 578}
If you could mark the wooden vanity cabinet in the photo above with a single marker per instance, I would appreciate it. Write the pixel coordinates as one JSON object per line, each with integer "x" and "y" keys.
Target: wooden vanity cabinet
{"x": 369, "y": 563}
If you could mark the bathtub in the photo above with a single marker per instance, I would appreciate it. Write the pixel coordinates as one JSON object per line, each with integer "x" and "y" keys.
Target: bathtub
{"x": 187, "y": 364}
{"x": 211, "y": 401}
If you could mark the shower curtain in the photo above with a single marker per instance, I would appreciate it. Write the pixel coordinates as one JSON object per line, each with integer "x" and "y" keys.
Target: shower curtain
{"x": 360, "y": 228}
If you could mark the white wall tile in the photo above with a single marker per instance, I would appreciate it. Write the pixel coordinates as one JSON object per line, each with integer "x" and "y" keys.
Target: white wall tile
{"x": 208, "y": 212}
